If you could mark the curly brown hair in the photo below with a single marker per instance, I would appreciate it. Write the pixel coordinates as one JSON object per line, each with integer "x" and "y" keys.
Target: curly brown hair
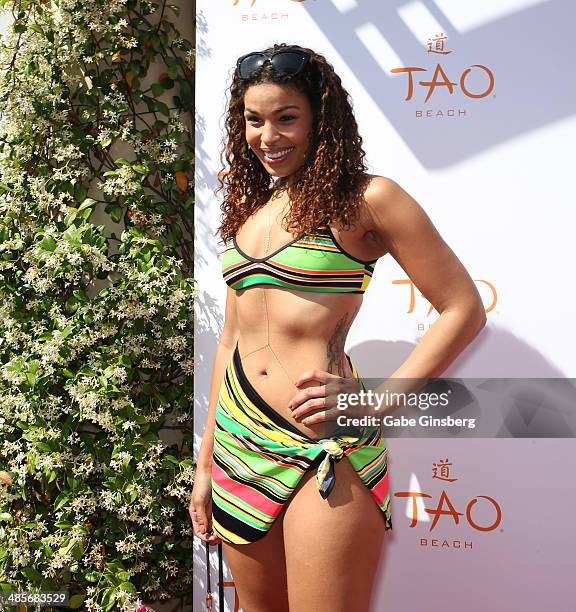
{"x": 330, "y": 185}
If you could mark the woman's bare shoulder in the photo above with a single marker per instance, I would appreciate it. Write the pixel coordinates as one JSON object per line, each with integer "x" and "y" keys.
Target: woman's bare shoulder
{"x": 380, "y": 190}
{"x": 393, "y": 213}
{"x": 384, "y": 200}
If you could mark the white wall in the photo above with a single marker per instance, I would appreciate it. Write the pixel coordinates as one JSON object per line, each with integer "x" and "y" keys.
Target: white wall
{"x": 497, "y": 181}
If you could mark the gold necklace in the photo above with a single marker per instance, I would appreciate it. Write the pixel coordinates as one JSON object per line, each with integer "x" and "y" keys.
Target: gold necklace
{"x": 269, "y": 227}
{"x": 268, "y": 233}
{"x": 265, "y": 303}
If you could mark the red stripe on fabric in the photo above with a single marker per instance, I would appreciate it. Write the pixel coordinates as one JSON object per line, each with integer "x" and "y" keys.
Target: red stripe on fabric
{"x": 252, "y": 498}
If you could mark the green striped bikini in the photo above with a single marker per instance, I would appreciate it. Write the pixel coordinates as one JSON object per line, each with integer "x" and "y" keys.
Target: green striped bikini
{"x": 259, "y": 456}
{"x": 308, "y": 263}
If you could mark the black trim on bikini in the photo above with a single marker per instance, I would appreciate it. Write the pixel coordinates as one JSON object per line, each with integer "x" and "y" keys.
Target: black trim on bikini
{"x": 261, "y": 259}
{"x": 260, "y": 403}
{"x": 369, "y": 262}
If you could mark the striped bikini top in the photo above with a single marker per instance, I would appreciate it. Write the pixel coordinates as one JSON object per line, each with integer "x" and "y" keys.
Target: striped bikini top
{"x": 312, "y": 262}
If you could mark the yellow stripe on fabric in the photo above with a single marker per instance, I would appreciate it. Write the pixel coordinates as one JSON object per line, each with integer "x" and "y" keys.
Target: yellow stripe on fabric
{"x": 277, "y": 435}
{"x": 246, "y": 420}
{"x": 227, "y": 536}
{"x": 374, "y": 466}
{"x": 235, "y": 464}
{"x": 365, "y": 282}
{"x": 231, "y": 410}
{"x": 318, "y": 246}
{"x": 248, "y": 414}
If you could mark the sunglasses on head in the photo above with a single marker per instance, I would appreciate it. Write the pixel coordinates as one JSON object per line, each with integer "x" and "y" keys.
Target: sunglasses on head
{"x": 289, "y": 61}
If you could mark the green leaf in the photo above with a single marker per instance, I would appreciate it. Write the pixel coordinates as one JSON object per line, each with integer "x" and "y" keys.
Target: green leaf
{"x": 71, "y": 305}
{"x": 48, "y": 244}
{"x": 162, "y": 108}
{"x": 140, "y": 168}
{"x": 32, "y": 574}
{"x": 116, "y": 213}
{"x": 108, "y": 599}
{"x": 76, "y": 601}
{"x": 157, "y": 89}
{"x": 128, "y": 586}
{"x": 32, "y": 375}
{"x": 6, "y": 516}
{"x": 186, "y": 92}
{"x": 77, "y": 551}
{"x": 115, "y": 566}
{"x": 81, "y": 190}
{"x": 87, "y": 203}
{"x": 92, "y": 576}
{"x": 63, "y": 525}
{"x": 70, "y": 216}
{"x": 61, "y": 500}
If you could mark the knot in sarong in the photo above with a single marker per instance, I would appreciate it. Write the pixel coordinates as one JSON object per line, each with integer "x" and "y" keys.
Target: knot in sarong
{"x": 333, "y": 451}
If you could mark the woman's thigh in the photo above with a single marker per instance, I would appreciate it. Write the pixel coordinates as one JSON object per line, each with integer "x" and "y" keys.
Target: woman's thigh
{"x": 332, "y": 545}
{"x": 259, "y": 571}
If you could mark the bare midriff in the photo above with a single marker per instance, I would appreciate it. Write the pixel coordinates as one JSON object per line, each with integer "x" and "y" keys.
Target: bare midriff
{"x": 285, "y": 333}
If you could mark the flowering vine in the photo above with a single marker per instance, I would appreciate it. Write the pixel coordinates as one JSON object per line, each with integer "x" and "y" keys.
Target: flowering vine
{"x": 96, "y": 288}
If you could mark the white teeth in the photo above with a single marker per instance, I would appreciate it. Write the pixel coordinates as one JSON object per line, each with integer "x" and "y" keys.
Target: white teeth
{"x": 279, "y": 154}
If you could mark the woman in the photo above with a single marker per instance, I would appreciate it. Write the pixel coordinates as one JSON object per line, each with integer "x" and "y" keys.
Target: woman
{"x": 302, "y": 516}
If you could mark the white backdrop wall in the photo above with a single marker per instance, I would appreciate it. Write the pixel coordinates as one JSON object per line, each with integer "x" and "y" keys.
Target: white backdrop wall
{"x": 490, "y": 159}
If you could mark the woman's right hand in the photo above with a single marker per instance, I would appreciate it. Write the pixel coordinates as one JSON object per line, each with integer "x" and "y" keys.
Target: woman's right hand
{"x": 200, "y": 508}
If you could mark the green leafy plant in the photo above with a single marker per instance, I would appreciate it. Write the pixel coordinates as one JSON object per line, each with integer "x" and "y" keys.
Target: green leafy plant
{"x": 96, "y": 293}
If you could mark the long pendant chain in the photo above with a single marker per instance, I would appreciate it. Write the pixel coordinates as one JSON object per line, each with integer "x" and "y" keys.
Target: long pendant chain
{"x": 268, "y": 340}
{"x": 266, "y": 306}
{"x": 268, "y": 232}
{"x": 265, "y": 302}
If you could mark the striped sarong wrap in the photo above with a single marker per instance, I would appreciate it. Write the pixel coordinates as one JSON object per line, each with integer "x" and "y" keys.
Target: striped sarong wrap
{"x": 260, "y": 457}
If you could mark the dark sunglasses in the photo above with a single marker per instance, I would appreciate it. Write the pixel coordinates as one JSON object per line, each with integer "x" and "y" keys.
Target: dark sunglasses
{"x": 288, "y": 61}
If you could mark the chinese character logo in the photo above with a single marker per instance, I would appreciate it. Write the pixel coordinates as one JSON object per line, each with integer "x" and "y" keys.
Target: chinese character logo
{"x": 441, "y": 471}
{"x": 436, "y": 44}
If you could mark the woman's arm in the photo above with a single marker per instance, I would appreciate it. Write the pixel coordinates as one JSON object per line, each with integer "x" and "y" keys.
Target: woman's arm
{"x": 224, "y": 350}
{"x": 410, "y": 237}
{"x": 200, "y": 508}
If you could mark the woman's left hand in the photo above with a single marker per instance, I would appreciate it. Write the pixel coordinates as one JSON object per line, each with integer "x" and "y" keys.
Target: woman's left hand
{"x": 317, "y": 404}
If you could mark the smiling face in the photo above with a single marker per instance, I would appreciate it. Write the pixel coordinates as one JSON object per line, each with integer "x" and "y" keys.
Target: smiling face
{"x": 278, "y": 121}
